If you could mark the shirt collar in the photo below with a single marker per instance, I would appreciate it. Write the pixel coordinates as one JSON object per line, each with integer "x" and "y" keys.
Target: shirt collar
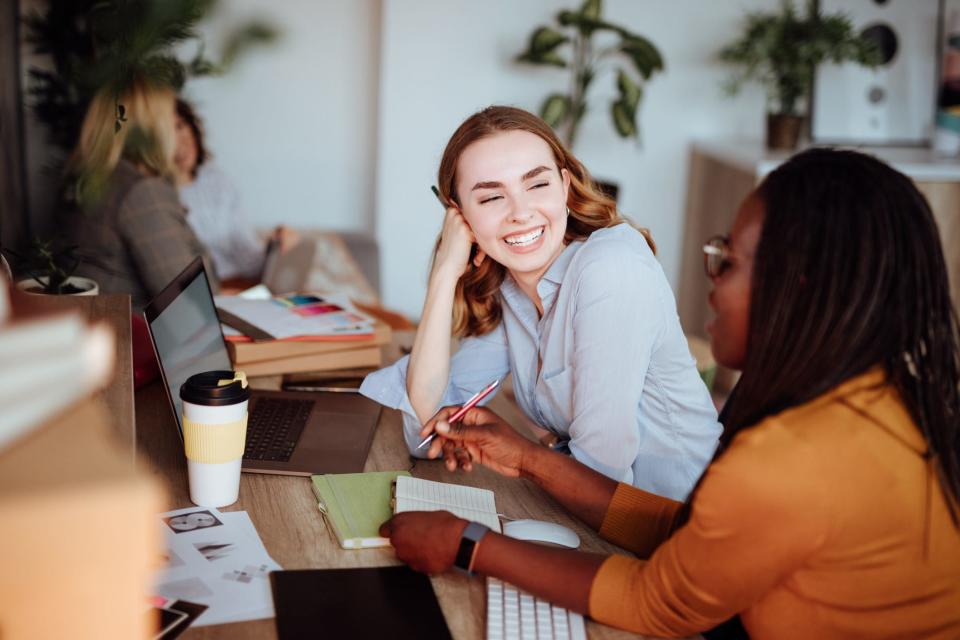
{"x": 546, "y": 288}
{"x": 553, "y": 278}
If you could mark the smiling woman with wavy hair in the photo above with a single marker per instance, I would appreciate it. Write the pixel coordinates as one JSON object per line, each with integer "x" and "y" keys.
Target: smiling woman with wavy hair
{"x": 542, "y": 278}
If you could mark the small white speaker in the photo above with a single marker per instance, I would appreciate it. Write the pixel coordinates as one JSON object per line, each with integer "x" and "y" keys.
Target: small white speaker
{"x": 895, "y": 103}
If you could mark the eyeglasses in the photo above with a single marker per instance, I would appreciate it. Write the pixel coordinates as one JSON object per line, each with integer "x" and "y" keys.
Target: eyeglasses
{"x": 716, "y": 256}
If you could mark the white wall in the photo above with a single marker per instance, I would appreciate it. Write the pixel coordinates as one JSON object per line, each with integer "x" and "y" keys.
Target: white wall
{"x": 294, "y": 123}
{"x": 341, "y": 123}
{"x": 441, "y": 60}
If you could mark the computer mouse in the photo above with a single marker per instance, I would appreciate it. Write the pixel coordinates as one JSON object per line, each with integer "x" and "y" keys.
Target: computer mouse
{"x": 539, "y": 531}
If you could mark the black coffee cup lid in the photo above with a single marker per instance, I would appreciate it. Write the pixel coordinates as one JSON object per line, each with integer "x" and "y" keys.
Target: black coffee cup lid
{"x": 215, "y": 389}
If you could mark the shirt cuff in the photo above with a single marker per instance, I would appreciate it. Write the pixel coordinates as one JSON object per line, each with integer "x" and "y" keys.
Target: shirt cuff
{"x": 638, "y": 520}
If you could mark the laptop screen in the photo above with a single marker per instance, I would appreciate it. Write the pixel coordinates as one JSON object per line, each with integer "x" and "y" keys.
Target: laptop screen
{"x": 186, "y": 332}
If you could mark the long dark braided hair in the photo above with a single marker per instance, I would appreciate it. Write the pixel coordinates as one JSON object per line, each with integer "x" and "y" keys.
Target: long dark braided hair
{"x": 849, "y": 274}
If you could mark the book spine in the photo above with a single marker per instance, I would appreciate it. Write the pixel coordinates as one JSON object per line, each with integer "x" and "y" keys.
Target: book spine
{"x": 367, "y": 357}
{"x": 246, "y": 352}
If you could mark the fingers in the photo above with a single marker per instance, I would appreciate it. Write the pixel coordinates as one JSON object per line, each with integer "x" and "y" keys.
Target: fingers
{"x": 455, "y": 457}
{"x": 386, "y": 529}
{"x": 442, "y": 414}
{"x": 449, "y": 455}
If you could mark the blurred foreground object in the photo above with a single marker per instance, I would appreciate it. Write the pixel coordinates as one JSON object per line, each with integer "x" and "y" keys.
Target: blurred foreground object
{"x": 79, "y": 537}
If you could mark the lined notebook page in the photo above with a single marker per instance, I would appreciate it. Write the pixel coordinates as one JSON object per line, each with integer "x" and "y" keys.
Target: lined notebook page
{"x": 470, "y": 503}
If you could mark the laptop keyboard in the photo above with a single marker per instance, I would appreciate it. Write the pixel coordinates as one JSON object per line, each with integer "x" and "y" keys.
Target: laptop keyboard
{"x": 274, "y": 427}
{"x": 516, "y": 615}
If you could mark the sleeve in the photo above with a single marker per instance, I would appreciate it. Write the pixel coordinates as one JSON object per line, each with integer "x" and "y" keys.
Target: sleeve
{"x": 247, "y": 249}
{"x": 154, "y": 228}
{"x": 618, "y": 319}
{"x": 479, "y": 361}
{"x": 639, "y": 521}
{"x": 756, "y": 518}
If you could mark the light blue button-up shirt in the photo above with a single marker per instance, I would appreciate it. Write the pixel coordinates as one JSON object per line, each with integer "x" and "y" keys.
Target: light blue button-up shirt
{"x": 617, "y": 378}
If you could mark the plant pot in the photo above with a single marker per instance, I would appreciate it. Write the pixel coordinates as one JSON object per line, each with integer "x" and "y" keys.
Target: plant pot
{"x": 783, "y": 131}
{"x": 76, "y": 286}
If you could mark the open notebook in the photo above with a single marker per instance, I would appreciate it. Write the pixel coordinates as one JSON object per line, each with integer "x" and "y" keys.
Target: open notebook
{"x": 356, "y": 504}
{"x": 470, "y": 503}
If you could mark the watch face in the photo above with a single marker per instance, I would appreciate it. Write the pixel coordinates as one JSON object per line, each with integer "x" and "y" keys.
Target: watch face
{"x": 468, "y": 544}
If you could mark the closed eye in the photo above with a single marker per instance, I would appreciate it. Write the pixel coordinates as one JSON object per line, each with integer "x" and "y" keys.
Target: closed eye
{"x": 490, "y": 199}
{"x": 540, "y": 184}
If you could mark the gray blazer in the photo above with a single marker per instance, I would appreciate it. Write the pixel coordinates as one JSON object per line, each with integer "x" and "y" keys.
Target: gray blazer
{"x": 136, "y": 240}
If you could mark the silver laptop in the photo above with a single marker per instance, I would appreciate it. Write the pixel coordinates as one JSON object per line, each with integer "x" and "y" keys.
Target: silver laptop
{"x": 288, "y": 271}
{"x": 287, "y": 432}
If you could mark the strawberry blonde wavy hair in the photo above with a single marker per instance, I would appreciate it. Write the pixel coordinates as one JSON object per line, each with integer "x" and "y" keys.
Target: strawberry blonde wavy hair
{"x": 476, "y": 304}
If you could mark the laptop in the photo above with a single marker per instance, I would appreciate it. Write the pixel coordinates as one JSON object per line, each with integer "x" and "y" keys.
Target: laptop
{"x": 288, "y": 432}
{"x": 288, "y": 271}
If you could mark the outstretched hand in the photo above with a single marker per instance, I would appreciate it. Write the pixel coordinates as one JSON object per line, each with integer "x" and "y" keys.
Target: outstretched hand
{"x": 481, "y": 437}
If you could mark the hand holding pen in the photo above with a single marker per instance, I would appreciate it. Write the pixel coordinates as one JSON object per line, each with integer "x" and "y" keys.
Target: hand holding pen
{"x": 469, "y": 404}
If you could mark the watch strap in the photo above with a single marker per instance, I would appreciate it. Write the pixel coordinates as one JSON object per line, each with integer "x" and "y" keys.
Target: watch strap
{"x": 467, "y": 551}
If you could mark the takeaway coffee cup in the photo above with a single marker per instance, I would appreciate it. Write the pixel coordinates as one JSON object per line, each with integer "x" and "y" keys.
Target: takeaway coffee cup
{"x": 214, "y": 434}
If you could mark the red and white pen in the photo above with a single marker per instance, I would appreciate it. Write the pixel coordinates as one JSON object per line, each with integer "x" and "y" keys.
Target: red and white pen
{"x": 469, "y": 404}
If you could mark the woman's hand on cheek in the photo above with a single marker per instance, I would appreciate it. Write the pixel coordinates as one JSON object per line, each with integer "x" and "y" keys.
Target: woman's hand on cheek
{"x": 456, "y": 241}
{"x": 425, "y": 540}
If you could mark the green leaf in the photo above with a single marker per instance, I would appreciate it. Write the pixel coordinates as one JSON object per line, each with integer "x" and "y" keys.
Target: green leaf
{"x": 591, "y": 9}
{"x": 253, "y": 33}
{"x": 551, "y": 58}
{"x": 542, "y": 49}
{"x": 630, "y": 91}
{"x": 546, "y": 39}
{"x": 644, "y": 55}
{"x": 624, "y": 120}
{"x": 555, "y": 109}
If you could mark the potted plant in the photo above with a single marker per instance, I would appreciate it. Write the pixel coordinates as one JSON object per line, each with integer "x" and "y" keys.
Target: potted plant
{"x": 96, "y": 43}
{"x": 634, "y": 58}
{"x": 782, "y": 50}
{"x": 49, "y": 269}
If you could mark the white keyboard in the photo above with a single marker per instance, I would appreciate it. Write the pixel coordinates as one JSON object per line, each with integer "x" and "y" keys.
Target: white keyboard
{"x": 514, "y": 614}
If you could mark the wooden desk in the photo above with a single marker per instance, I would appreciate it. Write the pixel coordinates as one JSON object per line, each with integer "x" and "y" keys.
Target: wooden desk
{"x": 284, "y": 510}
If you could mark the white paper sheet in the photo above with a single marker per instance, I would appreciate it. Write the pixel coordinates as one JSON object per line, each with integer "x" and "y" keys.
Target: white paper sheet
{"x": 216, "y": 559}
{"x": 282, "y": 322}
{"x": 471, "y": 503}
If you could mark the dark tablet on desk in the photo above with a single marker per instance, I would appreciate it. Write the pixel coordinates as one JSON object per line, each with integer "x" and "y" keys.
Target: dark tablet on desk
{"x": 377, "y": 602}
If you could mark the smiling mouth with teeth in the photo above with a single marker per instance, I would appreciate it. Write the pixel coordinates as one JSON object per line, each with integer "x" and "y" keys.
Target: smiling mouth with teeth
{"x": 524, "y": 240}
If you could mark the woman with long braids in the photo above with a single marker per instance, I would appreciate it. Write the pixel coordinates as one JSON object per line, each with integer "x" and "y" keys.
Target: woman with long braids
{"x": 832, "y": 508}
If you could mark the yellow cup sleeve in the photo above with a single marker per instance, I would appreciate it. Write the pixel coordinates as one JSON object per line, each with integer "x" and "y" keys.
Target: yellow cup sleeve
{"x": 214, "y": 443}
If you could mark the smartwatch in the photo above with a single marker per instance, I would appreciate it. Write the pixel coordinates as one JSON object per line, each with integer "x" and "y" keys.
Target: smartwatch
{"x": 468, "y": 546}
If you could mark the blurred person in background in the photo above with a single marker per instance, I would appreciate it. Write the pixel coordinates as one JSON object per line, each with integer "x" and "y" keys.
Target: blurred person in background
{"x": 125, "y": 215}
{"x": 213, "y": 205}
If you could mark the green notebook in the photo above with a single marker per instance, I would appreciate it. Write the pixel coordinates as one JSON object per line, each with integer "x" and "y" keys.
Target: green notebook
{"x": 356, "y": 504}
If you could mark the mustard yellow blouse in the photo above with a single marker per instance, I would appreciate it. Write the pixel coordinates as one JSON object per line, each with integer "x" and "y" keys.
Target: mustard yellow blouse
{"x": 822, "y": 522}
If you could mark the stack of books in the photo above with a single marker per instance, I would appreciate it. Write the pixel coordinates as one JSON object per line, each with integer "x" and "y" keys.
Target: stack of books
{"x": 300, "y": 333}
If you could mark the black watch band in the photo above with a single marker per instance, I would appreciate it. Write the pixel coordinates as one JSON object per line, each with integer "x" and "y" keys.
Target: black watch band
{"x": 468, "y": 546}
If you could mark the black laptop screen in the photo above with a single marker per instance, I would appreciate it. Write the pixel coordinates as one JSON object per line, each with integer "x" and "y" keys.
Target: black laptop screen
{"x": 186, "y": 332}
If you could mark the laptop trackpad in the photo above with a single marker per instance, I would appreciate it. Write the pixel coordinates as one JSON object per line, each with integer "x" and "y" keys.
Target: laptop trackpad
{"x": 336, "y": 431}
